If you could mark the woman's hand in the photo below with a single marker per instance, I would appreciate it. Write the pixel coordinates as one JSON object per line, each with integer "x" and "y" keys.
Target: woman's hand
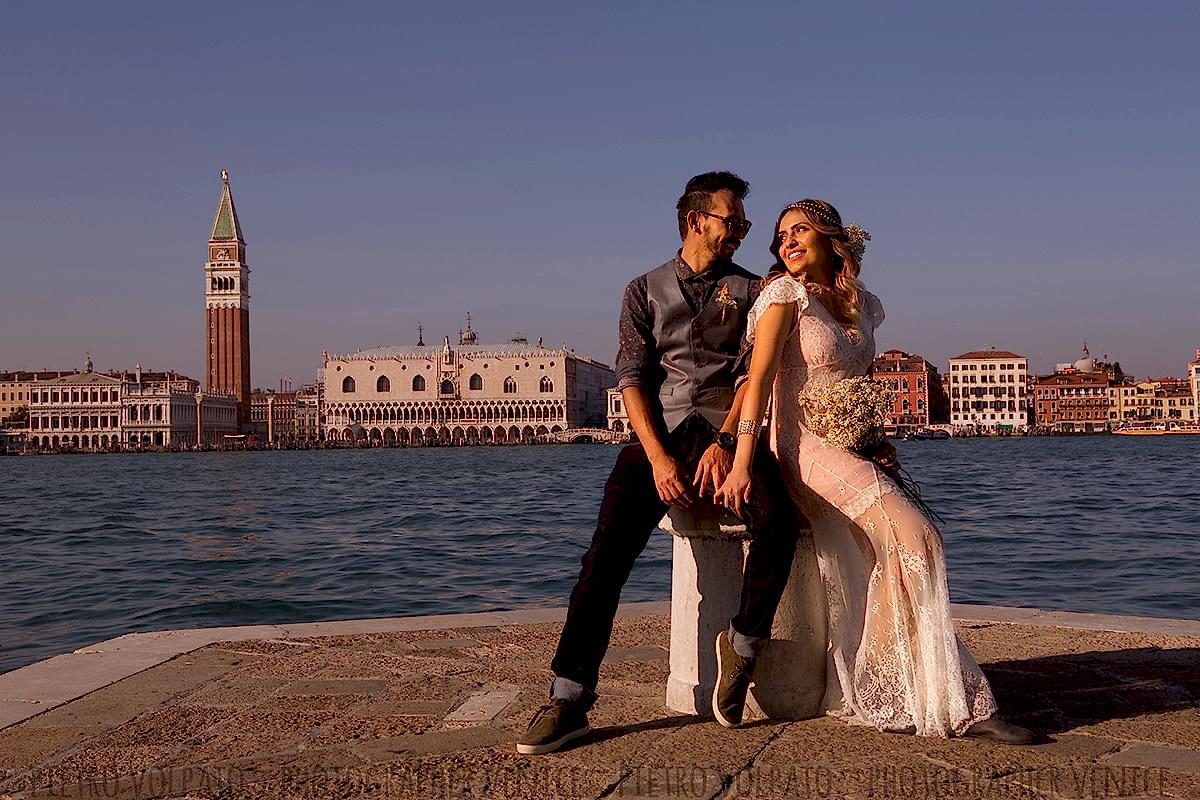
{"x": 734, "y": 493}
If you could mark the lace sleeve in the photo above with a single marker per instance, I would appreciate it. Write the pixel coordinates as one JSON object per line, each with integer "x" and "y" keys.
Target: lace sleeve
{"x": 874, "y": 310}
{"x": 778, "y": 292}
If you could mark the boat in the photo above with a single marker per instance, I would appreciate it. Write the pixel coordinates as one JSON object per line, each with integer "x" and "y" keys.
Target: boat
{"x": 929, "y": 433}
{"x": 1157, "y": 429}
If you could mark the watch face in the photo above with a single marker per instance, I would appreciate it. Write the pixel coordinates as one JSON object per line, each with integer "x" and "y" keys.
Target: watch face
{"x": 726, "y": 441}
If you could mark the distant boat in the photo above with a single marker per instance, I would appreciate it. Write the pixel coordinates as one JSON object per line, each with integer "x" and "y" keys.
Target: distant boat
{"x": 929, "y": 433}
{"x": 1158, "y": 429}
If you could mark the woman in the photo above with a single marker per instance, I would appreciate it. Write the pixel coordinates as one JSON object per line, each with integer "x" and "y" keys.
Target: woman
{"x": 895, "y": 661}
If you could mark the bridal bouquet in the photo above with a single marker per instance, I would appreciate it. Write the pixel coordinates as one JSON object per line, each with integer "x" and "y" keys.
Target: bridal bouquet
{"x": 850, "y": 413}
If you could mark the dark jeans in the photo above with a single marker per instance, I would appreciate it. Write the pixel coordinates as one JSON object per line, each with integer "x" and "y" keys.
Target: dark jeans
{"x": 628, "y": 515}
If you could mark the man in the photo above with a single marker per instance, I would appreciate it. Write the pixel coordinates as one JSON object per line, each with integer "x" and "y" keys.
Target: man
{"x": 681, "y": 329}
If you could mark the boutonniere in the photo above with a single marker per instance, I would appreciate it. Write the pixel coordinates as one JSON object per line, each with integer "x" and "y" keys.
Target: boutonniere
{"x": 725, "y": 300}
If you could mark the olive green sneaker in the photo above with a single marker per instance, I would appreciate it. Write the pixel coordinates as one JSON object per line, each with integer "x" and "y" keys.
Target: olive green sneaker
{"x": 733, "y": 680}
{"x": 552, "y": 726}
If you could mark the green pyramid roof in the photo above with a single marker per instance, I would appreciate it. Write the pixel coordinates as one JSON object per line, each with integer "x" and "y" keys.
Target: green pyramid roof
{"x": 226, "y": 227}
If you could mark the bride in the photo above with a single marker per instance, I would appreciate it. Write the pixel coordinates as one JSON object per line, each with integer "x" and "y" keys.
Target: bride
{"x": 895, "y": 661}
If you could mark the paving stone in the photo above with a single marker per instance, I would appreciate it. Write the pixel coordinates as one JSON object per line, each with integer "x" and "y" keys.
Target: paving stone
{"x": 20, "y": 749}
{"x": 337, "y": 686}
{"x": 436, "y": 742}
{"x": 484, "y": 706}
{"x": 646, "y": 652}
{"x": 444, "y": 644}
{"x": 400, "y": 708}
{"x": 1176, "y": 759}
{"x": 237, "y": 691}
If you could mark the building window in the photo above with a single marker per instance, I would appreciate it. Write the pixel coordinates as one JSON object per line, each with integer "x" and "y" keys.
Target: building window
{"x": 476, "y": 383}
{"x": 447, "y": 387}
{"x": 510, "y": 385}
{"x": 383, "y": 384}
{"x": 546, "y": 385}
{"x": 418, "y": 383}
{"x": 347, "y": 385}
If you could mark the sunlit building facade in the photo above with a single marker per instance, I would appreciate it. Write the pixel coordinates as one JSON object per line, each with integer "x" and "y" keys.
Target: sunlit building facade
{"x": 469, "y": 394}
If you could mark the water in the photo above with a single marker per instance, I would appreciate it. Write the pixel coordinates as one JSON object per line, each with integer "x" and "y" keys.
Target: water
{"x": 95, "y": 546}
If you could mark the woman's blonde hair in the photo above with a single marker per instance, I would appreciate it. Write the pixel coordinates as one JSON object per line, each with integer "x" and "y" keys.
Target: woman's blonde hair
{"x": 846, "y": 249}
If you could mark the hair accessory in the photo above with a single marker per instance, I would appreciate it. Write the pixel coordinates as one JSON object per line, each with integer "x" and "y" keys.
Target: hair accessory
{"x": 748, "y": 427}
{"x": 824, "y": 215}
{"x": 858, "y": 236}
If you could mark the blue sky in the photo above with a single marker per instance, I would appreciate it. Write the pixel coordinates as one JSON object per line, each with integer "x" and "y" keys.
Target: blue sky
{"x": 1028, "y": 170}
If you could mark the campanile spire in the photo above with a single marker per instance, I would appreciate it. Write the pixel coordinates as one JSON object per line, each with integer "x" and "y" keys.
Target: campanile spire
{"x": 227, "y": 306}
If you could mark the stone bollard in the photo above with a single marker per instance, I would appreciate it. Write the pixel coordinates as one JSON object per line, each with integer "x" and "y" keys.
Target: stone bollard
{"x": 709, "y": 550}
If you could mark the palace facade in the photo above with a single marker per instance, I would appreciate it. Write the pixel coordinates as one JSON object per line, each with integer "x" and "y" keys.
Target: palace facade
{"x": 110, "y": 411}
{"x": 469, "y": 394}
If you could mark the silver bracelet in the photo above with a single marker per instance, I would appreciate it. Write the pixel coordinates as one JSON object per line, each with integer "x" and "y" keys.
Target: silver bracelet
{"x": 748, "y": 427}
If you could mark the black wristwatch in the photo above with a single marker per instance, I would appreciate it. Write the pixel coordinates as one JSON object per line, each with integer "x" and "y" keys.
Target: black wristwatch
{"x": 727, "y": 441}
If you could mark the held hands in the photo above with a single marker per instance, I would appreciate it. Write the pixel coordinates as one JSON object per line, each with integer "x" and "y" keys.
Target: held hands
{"x": 711, "y": 471}
{"x": 734, "y": 493}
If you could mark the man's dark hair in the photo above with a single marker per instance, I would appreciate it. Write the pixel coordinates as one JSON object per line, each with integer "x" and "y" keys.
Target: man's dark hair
{"x": 697, "y": 195}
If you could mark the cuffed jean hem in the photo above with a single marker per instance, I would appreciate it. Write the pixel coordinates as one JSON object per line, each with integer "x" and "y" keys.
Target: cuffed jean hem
{"x": 746, "y": 646}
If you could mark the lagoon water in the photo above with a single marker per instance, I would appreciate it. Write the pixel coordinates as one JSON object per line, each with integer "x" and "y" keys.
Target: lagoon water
{"x": 95, "y": 546}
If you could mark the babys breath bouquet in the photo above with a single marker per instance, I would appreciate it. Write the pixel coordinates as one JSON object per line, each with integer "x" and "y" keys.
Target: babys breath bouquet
{"x": 848, "y": 414}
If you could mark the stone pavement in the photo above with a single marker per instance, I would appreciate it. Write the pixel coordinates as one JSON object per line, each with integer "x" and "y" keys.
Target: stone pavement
{"x": 332, "y": 710}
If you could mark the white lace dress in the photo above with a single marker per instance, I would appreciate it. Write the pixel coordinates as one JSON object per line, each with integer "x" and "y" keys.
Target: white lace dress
{"x": 895, "y": 661}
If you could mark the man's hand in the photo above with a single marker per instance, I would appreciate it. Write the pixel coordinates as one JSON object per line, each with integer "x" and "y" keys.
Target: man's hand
{"x": 671, "y": 481}
{"x": 711, "y": 471}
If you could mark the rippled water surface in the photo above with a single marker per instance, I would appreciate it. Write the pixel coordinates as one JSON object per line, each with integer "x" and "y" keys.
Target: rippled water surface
{"x": 95, "y": 546}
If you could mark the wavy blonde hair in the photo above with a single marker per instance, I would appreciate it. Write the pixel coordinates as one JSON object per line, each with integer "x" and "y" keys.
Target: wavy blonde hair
{"x": 847, "y": 294}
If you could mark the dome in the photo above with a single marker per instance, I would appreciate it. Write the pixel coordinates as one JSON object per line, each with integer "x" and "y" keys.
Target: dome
{"x": 1086, "y": 363}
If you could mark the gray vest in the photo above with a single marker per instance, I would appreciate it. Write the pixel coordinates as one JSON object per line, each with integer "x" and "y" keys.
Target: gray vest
{"x": 697, "y": 351}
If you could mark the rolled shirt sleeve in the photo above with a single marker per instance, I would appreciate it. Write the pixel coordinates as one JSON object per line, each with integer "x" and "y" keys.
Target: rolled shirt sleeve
{"x": 637, "y": 356}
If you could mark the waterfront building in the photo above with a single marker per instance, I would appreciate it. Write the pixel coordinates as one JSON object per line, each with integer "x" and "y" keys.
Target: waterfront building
{"x": 106, "y": 411}
{"x": 1077, "y": 402}
{"x": 169, "y": 410}
{"x": 273, "y": 416}
{"x": 1173, "y": 400}
{"x": 988, "y": 390}
{"x": 79, "y": 411}
{"x": 14, "y": 393}
{"x": 1194, "y": 380}
{"x": 618, "y": 415}
{"x": 310, "y": 416}
{"x": 470, "y": 394}
{"x": 1166, "y": 399}
{"x": 919, "y": 399}
{"x": 227, "y": 307}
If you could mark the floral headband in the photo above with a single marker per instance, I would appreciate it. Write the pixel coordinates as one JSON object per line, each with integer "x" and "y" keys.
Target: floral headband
{"x": 857, "y": 235}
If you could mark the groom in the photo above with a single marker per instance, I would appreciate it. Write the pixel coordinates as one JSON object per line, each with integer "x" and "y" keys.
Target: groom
{"x": 680, "y": 332}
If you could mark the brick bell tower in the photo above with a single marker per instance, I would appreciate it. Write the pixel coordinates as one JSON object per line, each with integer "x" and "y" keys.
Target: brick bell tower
{"x": 227, "y": 307}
